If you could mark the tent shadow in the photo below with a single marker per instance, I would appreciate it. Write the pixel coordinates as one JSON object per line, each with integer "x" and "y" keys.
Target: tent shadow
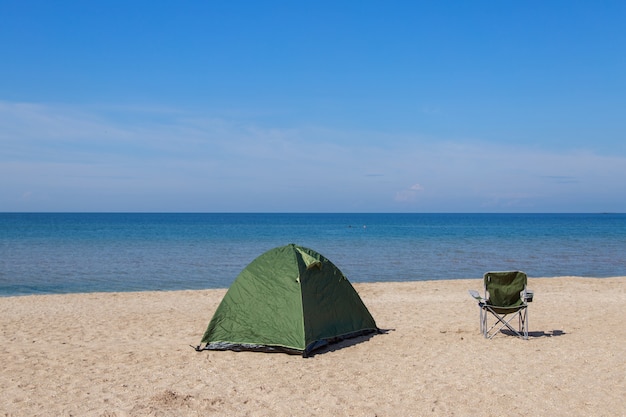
{"x": 343, "y": 343}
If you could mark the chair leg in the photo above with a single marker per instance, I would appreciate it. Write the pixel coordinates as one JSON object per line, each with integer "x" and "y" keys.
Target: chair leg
{"x": 483, "y": 322}
{"x": 502, "y": 322}
{"x": 523, "y": 323}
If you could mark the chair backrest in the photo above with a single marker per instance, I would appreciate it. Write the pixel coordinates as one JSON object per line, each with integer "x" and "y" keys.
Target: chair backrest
{"x": 504, "y": 289}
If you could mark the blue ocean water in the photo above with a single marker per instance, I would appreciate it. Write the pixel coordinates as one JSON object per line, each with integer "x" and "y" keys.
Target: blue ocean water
{"x": 87, "y": 252}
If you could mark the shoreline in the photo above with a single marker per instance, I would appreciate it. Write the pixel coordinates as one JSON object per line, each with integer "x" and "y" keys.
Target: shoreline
{"x": 134, "y": 291}
{"x": 130, "y": 354}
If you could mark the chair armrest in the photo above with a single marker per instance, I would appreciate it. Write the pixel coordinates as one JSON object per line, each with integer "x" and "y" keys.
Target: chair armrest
{"x": 475, "y": 294}
{"x": 528, "y": 297}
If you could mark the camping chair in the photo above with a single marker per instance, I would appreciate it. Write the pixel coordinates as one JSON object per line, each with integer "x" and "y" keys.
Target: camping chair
{"x": 506, "y": 298}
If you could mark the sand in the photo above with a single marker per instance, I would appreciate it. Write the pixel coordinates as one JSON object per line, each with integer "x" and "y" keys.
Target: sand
{"x": 129, "y": 354}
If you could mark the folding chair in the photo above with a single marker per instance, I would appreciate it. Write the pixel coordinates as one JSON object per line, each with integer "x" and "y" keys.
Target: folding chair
{"x": 506, "y": 298}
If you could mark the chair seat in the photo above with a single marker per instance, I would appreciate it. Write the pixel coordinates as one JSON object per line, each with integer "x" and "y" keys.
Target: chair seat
{"x": 502, "y": 310}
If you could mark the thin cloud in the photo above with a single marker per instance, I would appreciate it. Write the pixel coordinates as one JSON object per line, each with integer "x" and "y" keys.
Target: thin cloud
{"x": 562, "y": 179}
{"x": 136, "y": 155}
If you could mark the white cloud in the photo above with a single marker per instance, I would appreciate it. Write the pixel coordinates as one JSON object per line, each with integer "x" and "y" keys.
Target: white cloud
{"x": 409, "y": 194}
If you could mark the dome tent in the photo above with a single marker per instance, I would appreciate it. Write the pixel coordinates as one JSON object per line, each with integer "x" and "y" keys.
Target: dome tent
{"x": 289, "y": 299}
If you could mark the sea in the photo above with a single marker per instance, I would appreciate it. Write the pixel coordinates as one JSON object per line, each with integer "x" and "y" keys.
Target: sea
{"x": 52, "y": 253}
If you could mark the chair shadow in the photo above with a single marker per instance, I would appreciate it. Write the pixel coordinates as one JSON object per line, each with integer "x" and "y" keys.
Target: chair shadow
{"x": 536, "y": 334}
{"x": 551, "y": 333}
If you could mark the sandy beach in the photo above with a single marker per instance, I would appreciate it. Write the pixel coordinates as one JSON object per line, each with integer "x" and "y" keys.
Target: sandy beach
{"x": 129, "y": 354}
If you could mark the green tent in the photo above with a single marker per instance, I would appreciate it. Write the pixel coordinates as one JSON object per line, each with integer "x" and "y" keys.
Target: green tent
{"x": 289, "y": 299}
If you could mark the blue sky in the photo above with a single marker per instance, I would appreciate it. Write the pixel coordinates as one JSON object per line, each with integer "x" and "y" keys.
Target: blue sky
{"x": 326, "y": 106}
